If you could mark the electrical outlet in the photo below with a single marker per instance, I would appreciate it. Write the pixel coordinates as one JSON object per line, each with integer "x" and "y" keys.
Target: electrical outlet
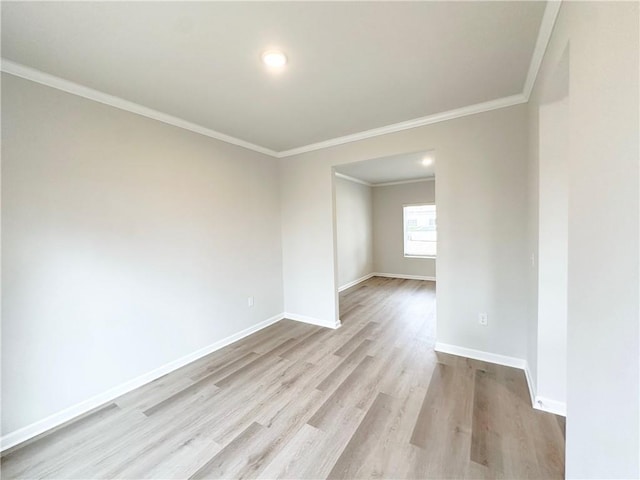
{"x": 482, "y": 319}
{"x": 250, "y": 301}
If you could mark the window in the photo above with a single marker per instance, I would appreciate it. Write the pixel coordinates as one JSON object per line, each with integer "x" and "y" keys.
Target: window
{"x": 420, "y": 233}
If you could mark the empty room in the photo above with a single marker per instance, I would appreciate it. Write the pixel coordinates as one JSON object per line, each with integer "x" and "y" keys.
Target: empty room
{"x": 312, "y": 240}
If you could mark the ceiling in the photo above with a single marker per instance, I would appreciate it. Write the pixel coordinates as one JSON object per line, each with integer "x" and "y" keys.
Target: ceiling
{"x": 395, "y": 168}
{"x": 353, "y": 66}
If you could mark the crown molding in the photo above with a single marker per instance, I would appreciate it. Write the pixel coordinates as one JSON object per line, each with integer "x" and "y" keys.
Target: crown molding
{"x": 353, "y": 179}
{"x": 544, "y": 35}
{"x": 416, "y": 122}
{"x": 43, "y": 78}
{"x": 402, "y": 182}
{"x": 384, "y": 184}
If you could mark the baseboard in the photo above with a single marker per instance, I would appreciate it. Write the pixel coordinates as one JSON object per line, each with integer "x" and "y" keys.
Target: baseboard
{"x": 355, "y": 282}
{"x": 23, "y": 434}
{"x": 481, "y": 355}
{"x": 551, "y": 406}
{"x": 530, "y": 384}
{"x": 407, "y": 277}
{"x": 537, "y": 402}
{"x": 313, "y": 321}
{"x": 542, "y": 403}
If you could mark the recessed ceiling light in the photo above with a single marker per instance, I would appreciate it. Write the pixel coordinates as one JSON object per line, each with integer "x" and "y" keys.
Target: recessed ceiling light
{"x": 274, "y": 59}
{"x": 426, "y": 161}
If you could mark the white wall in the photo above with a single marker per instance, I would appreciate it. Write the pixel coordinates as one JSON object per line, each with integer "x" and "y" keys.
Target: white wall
{"x": 309, "y": 256}
{"x": 482, "y": 218}
{"x": 533, "y": 174}
{"x": 149, "y": 266}
{"x": 127, "y": 244}
{"x": 369, "y": 229}
{"x": 603, "y": 344}
{"x": 388, "y": 241}
{"x": 354, "y": 230}
{"x": 553, "y": 195}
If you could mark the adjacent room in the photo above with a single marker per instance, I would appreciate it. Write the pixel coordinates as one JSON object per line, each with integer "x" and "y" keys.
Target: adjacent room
{"x": 320, "y": 239}
{"x": 385, "y": 218}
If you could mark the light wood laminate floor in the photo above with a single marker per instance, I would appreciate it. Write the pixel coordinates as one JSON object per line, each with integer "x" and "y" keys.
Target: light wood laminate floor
{"x": 369, "y": 400}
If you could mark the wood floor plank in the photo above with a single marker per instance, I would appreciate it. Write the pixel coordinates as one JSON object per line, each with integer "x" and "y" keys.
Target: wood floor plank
{"x": 343, "y": 395}
{"x": 356, "y": 339}
{"x": 549, "y": 448}
{"x": 187, "y": 392}
{"x": 284, "y": 389}
{"x": 155, "y": 392}
{"x": 255, "y": 367}
{"x": 347, "y": 313}
{"x": 485, "y": 438}
{"x": 294, "y": 457}
{"x": 91, "y": 452}
{"x": 24, "y": 461}
{"x": 315, "y": 349}
{"x": 302, "y": 343}
{"x": 369, "y": 400}
{"x": 230, "y": 459}
{"x": 282, "y": 347}
{"x": 427, "y": 421}
{"x": 364, "y": 440}
{"x": 338, "y": 374}
{"x": 519, "y": 456}
{"x": 303, "y": 462}
{"x": 222, "y": 370}
{"x": 443, "y": 430}
{"x": 176, "y": 463}
{"x": 278, "y": 330}
{"x": 380, "y": 446}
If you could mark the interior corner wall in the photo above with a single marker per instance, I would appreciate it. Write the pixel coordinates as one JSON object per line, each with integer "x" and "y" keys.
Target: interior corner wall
{"x": 388, "y": 241}
{"x": 553, "y": 116}
{"x": 308, "y": 255}
{"x": 533, "y": 174}
{"x": 126, "y": 244}
{"x": 603, "y": 290}
{"x": 354, "y": 225}
{"x": 482, "y": 222}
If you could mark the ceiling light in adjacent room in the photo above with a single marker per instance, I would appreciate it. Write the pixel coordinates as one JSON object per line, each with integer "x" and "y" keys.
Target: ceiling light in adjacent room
{"x": 274, "y": 59}
{"x": 426, "y": 161}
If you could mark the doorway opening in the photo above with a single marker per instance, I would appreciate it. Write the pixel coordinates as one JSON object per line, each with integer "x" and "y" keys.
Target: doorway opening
{"x": 385, "y": 226}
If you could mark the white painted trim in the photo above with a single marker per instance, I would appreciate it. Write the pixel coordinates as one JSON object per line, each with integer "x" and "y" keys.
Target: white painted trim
{"x": 43, "y": 78}
{"x": 384, "y": 184}
{"x": 313, "y": 321}
{"x": 355, "y": 282}
{"x": 416, "y": 122}
{"x": 49, "y": 80}
{"x": 542, "y": 403}
{"x": 551, "y": 406}
{"x": 23, "y": 434}
{"x": 537, "y": 402}
{"x": 544, "y": 35}
{"x": 417, "y": 204}
{"x": 481, "y": 355}
{"x": 406, "y": 277}
{"x": 402, "y": 182}
{"x": 353, "y": 179}
{"x": 532, "y": 388}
